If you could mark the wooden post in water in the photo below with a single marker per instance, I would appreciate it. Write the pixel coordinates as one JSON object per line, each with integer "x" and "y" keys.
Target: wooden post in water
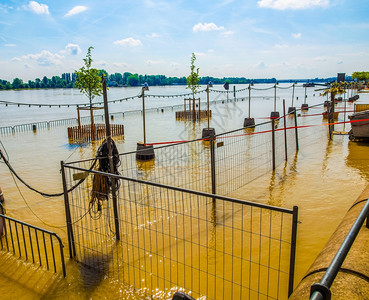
{"x": 285, "y": 130}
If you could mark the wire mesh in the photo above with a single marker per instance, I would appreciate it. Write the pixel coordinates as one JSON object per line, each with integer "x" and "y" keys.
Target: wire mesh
{"x": 176, "y": 239}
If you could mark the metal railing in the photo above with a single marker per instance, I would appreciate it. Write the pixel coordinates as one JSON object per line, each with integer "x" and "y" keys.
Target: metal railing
{"x": 32, "y": 244}
{"x": 220, "y": 165}
{"x": 321, "y": 290}
{"x": 161, "y": 239}
{"x": 5, "y": 130}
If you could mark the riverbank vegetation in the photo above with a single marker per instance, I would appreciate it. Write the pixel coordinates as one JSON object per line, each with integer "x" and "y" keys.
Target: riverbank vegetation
{"x": 68, "y": 80}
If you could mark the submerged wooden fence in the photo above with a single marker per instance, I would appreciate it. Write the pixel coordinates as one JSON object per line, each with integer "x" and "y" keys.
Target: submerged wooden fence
{"x": 94, "y": 132}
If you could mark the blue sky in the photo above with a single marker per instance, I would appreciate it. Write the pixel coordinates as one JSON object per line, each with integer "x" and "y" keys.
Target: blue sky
{"x": 248, "y": 38}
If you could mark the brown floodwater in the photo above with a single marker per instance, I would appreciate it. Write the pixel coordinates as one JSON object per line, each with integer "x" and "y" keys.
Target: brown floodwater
{"x": 323, "y": 179}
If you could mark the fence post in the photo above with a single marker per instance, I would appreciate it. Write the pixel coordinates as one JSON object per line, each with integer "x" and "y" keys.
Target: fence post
{"x": 367, "y": 218}
{"x": 110, "y": 156}
{"x": 293, "y": 250}
{"x": 71, "y": 244}
{"x": 212, "y": 164}
{"x": 273, "y": 143}
{"x": 296, "y": 131}
{"x": 285, "y": 130}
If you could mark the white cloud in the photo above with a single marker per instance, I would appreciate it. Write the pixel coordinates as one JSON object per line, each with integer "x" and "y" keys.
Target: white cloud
{"x": 292, "y": 4}
{"x": 228, "y": 33}
{"x": 340, "y": 62}
{"x": 120, "y": 65}
{"x": 38, "y": 8}
{"x": 27, "y": 66}
{"x": 281, "y": 46}
{"x": 154, "y": 62}
{"x": 296, "y": 35}
{"x": 130, "y": 42}
{"x": 76, "y": 10}
{"x": 16, "y": 59}
{"x": 260, "y": 65}
{"x": 72, "y": 49}
{"x": 206, "y": 27}
{"x": 45, "y": 58}
{"x": 320, "y": 58}
{"x": 10, "y": 45}
{"x": 200, "y": 54}
{"x": 152, "y": 35}
{"x": 211, "y": 50}
{"x": 101, "y": 63}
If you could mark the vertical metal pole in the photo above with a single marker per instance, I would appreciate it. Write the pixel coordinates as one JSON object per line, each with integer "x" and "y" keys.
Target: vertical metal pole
{"x": 332, "y": 100}
{"x": 285, "y": 130}
{"x": 330, "y": 115}
{"x": 143, "y": 115}
{"x": 110, "y": 156}
{"x": 275, "y": 97}
{"x": 344, "y": 115}
{"x": 367, "y": 218}
{"x": 293, "y": 93}
{"x": 93, "y": 132}
{"x": 207, "y": 99}
{"x": 273, "y": 143}
{"x": 234, "y": 93}
{"x": 212, "y": 162}
{"x": 71, "y": 244}
{"x": 305, "y": 95}
{"x": 296, "y": 131}
{"x": 293, "y": 250}
{"x": 249, "y": 99}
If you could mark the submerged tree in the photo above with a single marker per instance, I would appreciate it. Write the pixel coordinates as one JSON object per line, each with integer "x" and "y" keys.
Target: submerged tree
{"x": 193, "y": 79}
{"x": 88, "y": 80}
{"x": 335, "y": 88}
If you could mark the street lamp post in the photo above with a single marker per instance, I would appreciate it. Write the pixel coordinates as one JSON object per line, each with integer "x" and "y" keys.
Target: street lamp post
{"x": 292, "y": 109}
{"x": 144, "y": 151}
{"x": 208, "y": 132}
{"x": 275, "y": 114}
{"x": 249, "y": 122}
{"x": 144, "y": 88}
{"x": 305, "y": 106}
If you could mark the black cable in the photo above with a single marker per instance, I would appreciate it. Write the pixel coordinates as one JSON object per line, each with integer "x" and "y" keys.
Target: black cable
{"x": 42, "y": 193}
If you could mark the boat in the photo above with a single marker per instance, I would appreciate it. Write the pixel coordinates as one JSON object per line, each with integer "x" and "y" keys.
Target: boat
{"x": 359, "y": 125}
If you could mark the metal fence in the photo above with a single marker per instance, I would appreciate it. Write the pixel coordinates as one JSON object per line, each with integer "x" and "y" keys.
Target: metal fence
{"x": 32, "y": 244}
{"x": 221, "y": 165}
{"x": 161, "y": 239}
{"x": 6, "y": 130}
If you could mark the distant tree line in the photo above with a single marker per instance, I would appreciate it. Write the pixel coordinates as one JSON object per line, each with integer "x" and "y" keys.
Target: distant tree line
{"x": 67, "y": 80}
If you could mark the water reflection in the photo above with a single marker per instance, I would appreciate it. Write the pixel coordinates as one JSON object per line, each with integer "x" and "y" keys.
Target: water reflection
{"x": 358, "y": 158}
{"x": 278, "y": 182}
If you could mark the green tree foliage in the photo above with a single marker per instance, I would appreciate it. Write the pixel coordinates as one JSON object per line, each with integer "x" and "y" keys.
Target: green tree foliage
{"x": 335, "y": 89}
{"x": 132, "y": 80}
{"x": 88, "y": 79}
{"x": 17, "y": 83}
{"x": 193, "y": 79}
{"x": 361, "y": 76}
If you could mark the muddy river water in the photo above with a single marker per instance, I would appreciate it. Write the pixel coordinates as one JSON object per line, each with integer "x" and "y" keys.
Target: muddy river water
{"x": 323, "y": 178}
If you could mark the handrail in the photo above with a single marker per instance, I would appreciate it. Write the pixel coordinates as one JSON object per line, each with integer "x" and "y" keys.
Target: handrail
{"x": 321, "y": 290}
{"x": 22, "y": 244}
